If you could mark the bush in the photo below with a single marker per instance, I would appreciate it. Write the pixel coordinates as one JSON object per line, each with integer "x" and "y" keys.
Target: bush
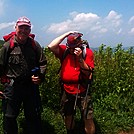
{"x": 112, "y": 92}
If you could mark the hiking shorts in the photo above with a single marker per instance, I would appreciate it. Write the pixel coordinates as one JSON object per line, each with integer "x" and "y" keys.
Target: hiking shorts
{"x": 84, "y": 103}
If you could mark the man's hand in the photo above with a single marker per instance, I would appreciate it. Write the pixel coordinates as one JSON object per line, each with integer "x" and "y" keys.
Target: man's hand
{"x": 78, "y": 52}
{"x": 2, "y": 95}
{"x": 36, "y": 80}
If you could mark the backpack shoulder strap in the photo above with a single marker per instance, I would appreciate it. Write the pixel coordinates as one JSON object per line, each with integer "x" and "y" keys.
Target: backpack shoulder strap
{"x": 66, "y": 52}
{"x": 84, "y": 47}
{"x": 33, "y": 43}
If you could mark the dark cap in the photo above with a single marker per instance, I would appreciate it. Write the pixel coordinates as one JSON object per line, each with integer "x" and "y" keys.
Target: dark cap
{"x": 73, "y": 39}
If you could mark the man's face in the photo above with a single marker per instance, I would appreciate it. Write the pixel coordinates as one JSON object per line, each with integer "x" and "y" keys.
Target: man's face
{"x": 22, "y": 32}
{"x": 72, "y": 49}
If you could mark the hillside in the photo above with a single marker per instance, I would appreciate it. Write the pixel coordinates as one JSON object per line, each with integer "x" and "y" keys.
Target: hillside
{"x": 1, "y": 42}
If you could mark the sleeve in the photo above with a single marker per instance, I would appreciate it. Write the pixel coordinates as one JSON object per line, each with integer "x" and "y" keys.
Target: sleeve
{"x": 3, "y": 58}
{"x": 62, "y": 48}
{"x": 42, "y": 61}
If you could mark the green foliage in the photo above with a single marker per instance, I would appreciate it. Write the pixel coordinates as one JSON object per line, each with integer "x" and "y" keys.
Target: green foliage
{"x": 1, "y": 43}
{"x": 51, "y": 89}
{"x": 113, "y": 88}
{"x": 112, "y": 92}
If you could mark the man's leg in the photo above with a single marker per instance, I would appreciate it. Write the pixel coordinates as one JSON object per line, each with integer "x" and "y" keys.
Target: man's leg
{"x": 69, "y": 123}
{"x": 89, "y": 126}
{"x": 10, "y": 107}
{"x": 87, "y": 115}
{"x": 32, "y": 112}
{"x": 10, "y": 125}
{"x": 67, "y": 111}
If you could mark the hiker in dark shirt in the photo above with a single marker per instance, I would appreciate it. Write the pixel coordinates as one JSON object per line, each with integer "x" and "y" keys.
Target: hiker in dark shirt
{"x": 22, "y": 69}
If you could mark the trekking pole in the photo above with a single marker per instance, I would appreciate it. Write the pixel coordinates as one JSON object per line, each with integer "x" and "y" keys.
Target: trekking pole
{"x": 76, "y": 97}
{"x": 75, "y": 103}
{"x": 88, "y": 86}
{"x": 35, "y": 72}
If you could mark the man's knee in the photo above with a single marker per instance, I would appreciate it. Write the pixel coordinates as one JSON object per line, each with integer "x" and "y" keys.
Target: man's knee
{"x": 89, "y": 126}
{"x": 69, "y": 122}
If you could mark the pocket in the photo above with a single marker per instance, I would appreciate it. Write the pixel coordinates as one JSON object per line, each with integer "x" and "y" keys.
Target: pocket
{"x": 14, "y": 58}
{"x": 8, "y": 90}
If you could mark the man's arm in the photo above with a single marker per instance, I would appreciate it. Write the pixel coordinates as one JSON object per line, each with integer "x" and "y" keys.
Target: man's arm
{"x": 54, "y": 45}
{"x": 85, "y": 68}
{"x": 3, "y": 58}
{"x": 42, "y": 62}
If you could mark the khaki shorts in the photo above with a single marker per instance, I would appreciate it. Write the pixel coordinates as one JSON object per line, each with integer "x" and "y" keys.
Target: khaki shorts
{"x": 68, "y": 106}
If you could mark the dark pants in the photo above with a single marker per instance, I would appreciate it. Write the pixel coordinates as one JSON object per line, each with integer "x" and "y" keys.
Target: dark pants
{"x": 28, "y": 95}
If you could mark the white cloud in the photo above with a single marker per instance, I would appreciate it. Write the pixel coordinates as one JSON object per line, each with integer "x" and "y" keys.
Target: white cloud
{"x": 131, "y": 20}
{"x": 89, "y": 22}
{"x": 80, "y": 21}
{"x": 120, "y": 30}
{"x": 6, "y": 25}
{"x": 89, "y": 17}
{"x": 113, "y": 19}
{"x": 113, "y": 15}
{"x": 59, "y": 27}
{"x": 131, "y": 31}
{"x": 103, "y": 30}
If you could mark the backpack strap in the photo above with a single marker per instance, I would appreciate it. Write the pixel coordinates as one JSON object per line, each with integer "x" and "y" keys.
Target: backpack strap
{"x": 66, "y": 52}
{"x": 11, "y": 36}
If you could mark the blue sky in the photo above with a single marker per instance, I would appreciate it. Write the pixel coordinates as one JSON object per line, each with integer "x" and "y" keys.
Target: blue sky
{"x": 108, "y": 22}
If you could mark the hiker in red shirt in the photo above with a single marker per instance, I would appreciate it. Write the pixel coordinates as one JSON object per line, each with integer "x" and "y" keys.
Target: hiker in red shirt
{"x": 22, "y": 69}
{"x": 77, "y": 64}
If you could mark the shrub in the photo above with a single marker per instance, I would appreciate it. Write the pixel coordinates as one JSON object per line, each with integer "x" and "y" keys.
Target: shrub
{"x": 112, "y": 92}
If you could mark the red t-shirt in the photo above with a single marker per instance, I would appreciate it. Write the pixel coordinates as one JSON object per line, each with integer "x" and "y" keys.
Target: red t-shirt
{"x": 70, "y": 69}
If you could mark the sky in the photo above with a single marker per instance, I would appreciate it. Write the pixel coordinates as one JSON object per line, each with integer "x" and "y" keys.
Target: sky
{"x": 108, "y": 22}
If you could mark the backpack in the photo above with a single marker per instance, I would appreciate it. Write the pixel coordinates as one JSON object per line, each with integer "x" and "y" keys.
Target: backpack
{"x": 10, "y": 38}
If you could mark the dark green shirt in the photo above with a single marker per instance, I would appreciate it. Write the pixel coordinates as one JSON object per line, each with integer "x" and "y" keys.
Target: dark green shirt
{"x": 21, "y": 59}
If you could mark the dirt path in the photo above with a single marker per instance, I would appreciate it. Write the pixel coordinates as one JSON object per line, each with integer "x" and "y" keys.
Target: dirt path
{"x": 131, "y": 132}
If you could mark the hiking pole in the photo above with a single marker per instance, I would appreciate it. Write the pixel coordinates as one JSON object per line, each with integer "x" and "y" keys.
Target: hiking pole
{"x": 75, "y": 103}
{"x": 88, "y": 86}
{"x": 76, "y": 97}
{"x": 37, "y": 100}
{"x": 35, "y": 72}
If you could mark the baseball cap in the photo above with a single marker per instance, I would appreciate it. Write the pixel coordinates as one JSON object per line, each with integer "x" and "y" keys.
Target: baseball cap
{"x": 23, "y": 21}
{"x": 73, "y": 39}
